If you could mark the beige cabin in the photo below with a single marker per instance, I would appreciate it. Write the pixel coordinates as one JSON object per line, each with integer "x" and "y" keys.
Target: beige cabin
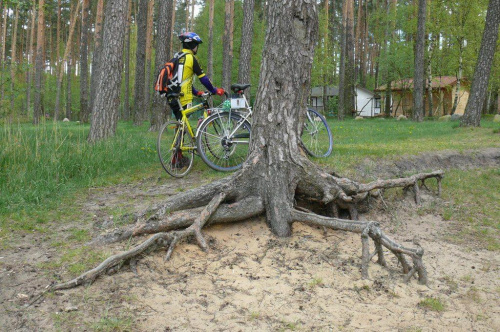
{"x": 443, "y": 95}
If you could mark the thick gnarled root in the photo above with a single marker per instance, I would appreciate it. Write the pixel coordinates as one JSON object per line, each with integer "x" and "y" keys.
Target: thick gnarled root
{"x": 168, "y": 239}
{"x": 370, "y": 229}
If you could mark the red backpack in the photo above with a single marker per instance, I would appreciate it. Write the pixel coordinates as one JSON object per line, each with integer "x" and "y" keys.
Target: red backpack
{"x": 168, "y": 78}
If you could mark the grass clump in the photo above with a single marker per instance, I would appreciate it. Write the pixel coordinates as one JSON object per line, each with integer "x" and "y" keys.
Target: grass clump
{"x": 432, "y": 303}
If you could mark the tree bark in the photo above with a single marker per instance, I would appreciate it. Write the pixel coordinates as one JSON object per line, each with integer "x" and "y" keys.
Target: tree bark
{"x": 2, "y": 54}
{"x": 69, "y": 77}
{"x": 84, "y": 68}
{"x": 210, "y": 50}
{"x": 29, "y": 72}
{"x": 281, "y": 100}
{"x": 40, "y": 40}
{"x": 126, "y": 94}
{"x": 472, "y": 114}
{"x": 347, "y": 70}
{"x": 140, "y": 65}
{"x": 105, "y": 112}
{"x": 246, "y": 45}
{"x": 163, "y": 41}
{"x": 149, "y": 42}
{"x": 227, "y": 55}
{"x": 13, "y": 58}
{"x": 96, "y": 58}
{"x": 60, "y": 74}
{"x": 419, "y": 75}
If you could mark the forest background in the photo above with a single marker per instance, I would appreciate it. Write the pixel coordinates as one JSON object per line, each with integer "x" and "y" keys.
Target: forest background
{"x": 70, "y": 31}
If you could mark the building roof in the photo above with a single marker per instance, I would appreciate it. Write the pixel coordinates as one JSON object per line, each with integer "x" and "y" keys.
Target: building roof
{"x": 332, "y": 91}
{"x": 438, "y": 82}
{"x": 317, "y": 91}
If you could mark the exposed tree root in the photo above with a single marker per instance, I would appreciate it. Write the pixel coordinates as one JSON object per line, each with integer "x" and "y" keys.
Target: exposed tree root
{"x": 370, "y": 229}
{"x": 233, "y": 199}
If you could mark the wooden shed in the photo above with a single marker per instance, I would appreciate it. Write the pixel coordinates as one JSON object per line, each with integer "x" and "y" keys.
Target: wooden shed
{"x": 365, "y": 100}
{"x": 443, "y": 95}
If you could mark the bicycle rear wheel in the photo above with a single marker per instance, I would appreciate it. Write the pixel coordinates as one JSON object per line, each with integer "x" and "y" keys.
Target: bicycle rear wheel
{"x": 316, "y": 135}
{"x": 223, "y": 141}
{"x": 175, "y": 148}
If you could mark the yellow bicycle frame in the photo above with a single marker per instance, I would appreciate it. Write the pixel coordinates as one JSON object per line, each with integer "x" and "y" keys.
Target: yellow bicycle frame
{"x": 185, "y": 124}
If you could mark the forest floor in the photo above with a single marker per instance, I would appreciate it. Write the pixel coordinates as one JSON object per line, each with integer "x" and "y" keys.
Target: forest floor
{"x": 252, "y": 281}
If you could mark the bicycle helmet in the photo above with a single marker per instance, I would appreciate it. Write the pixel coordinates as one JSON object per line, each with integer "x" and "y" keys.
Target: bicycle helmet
{"x": 190, "y": 38}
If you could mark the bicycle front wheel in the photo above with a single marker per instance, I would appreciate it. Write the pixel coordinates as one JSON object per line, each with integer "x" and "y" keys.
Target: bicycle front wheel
{"x": 223, "y": 141}
{"x": 175, "y": 147}
{"x": 316, "y": 135}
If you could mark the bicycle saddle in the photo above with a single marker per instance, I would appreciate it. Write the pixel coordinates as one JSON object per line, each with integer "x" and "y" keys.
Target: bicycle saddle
{"x": 239, "y": 87}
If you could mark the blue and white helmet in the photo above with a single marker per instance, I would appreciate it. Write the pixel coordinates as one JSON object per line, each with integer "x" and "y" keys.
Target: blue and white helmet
{"x": 190, "y": 37}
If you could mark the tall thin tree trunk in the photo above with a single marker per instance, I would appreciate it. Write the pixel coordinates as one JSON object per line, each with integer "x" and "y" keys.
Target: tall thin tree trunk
{"x": 171, "y": 50}
{"x": 430, "y": 101}
{"x": 67, "y": 50}
{"x": 227, "y": 55}
{"x": 29, "y": 72}
{"x": 419, "y": 75}
{"x": 246, "y": 44}
{"x": 472, "y": 115}
{"x": 140, "y": 66}
{"x": 191, "y": 23}
{"x": 105, "y": 112}
{"x": 346, "y": 89}
{"x": 84, "y": 70}
{"x": 2, "y": 55}
{"x": 40, "y": 40}
{"x": 163, "y": 41}
{"x": 210, "y": 66}
{"x": 187, "y": 14}
{"x": 126, "y": 95}
{"x": 13, "y": 58}
{"x": 96, "y": 59}
{"x": 68, "y": 87}
{"x": 149, "y": 42}
{"x": 459, "y": 79}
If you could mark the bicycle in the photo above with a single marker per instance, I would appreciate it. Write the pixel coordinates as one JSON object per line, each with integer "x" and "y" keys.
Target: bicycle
{"x": 223, "y": 138}
{"x": 176, "y": 139}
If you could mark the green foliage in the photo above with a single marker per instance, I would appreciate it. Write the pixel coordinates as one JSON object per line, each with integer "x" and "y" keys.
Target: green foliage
{"x": 43, "y": 163}
{"x": 431, "y": 303}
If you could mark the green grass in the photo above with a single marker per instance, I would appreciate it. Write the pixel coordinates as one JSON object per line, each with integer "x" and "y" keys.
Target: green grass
{"x": 433, "y": 304}
{"x": 389, "y": 138}
{"x": 45, "y": 169}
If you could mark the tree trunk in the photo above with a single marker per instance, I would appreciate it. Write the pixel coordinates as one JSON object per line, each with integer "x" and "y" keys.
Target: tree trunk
{"x": 472, "y": 115}
{"x": 227, "y": 55}
{"x": 246, "y": 45}
{"x": 187, "y": 14}
{"x": 140, "y": 65}
{"x": 105, "y": 112}
{"x": 163, "y": 40}
{"x": 210, "y": 50}
{"x": 281, "y": 100}
{"x": 96, "y": 59}
{"x": 69, "y": 77}
{"x": 347, "y": 87}
{"x": 493, "y": 108}
{"x": 126, "y": 95}
{"x": 13, "y": 59}
{"x": 432, "y": 42}
{"x": 170, "y": 46}
{"x": 459, "y": 80}
{"x": 149, "y": 41}
{"x": 67, "y": 50}
{"x": 29, "y": 72}
{"x": 2, "y": 55}
{"x": 40, "y": 40}
{"x": 84, "y": 70}
{"x": 419, "y": 75}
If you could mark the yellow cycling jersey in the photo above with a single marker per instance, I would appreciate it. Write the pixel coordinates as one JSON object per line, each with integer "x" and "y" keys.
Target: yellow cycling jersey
{"x": 188, "y": 67}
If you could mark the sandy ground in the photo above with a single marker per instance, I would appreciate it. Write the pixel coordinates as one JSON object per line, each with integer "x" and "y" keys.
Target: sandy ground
{"x": 252, "y": 281}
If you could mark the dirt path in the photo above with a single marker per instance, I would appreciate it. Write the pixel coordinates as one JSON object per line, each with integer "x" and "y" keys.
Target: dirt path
{"x": 252, "y": 281}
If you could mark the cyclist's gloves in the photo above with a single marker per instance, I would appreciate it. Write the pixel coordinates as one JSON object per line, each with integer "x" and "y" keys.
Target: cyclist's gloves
{"x": 220, "y": 91}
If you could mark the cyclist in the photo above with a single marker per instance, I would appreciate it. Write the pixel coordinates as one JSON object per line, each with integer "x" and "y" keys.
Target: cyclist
{"x": 188, "y": 67}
